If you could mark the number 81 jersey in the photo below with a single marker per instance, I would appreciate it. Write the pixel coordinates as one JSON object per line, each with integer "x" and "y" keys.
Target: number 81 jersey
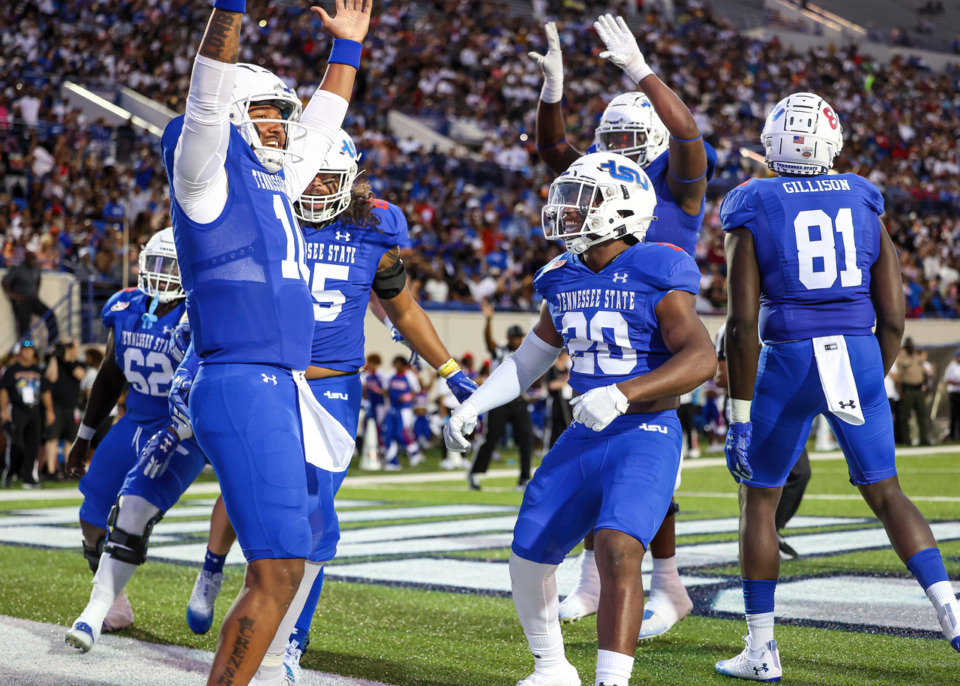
{"x": 143, "y": 354}
{"x": 608, "y": 319}
{"x": 816, "y": 239}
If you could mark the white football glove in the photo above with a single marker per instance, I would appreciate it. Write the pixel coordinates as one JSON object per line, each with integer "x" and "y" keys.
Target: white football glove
{"x": 552, "y": 66}
{"x": 462, "y": 423}
{"x": 596, "y": 408}
{"x": 622, "y": 48}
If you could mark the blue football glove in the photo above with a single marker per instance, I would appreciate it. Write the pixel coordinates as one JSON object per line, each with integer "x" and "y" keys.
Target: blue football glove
{"x": 736, "y": 448}
{"x": 180, "y": 340}
{"x": 461, "y": 385}
{"x": 414, "y": 360}
{"x": 177, "y": 403}
{"x": 157, "y": 453}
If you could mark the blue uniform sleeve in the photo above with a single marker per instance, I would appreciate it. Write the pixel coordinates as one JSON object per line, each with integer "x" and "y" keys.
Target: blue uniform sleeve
{"x": 871, "y": 194}
{"x": 118, "y": 302}
{"x": 402, "y": 229}
{"x": 737, "y": 209}
{"x": 711, "y": 159}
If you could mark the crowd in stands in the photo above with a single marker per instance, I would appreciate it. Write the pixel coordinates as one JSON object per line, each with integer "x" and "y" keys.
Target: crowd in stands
{"x": 68, "y": 184}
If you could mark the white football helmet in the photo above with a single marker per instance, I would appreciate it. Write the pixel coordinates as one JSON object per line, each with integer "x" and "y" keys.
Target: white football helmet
{"x": 630, "y": 126}
{"x": 258, "y": 86}
{"x": 341, "y": 160}
{"x": 601, "y": 196}
{"x": 802, "y": 135}
{"x": 159, "y": 270}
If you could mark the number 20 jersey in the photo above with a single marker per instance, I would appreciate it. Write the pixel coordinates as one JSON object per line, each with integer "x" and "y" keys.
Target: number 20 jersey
{"x": 816, "y": 239}
{"x": 343, "y": 260}
{"x": 142, "y": 353}
{"x": 247, "y": 294}
{"x": 608, "y": 320}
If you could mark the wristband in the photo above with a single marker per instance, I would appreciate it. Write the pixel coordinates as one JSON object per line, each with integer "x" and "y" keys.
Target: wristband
{"x": 86, "y": 432}
{"x": 689, "y": 140}
{"x": 552, "y": 91}
{"x": 448, "y": 368}
{"x": 739, "y": 410}
{"x": 231, "y": 5}
{"x": 345, "y": 51}
{"x": 550, "y": 147}
{"x": 677, "y": 178}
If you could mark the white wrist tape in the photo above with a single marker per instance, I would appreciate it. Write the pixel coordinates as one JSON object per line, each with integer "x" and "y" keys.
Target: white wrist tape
{"x": 740, "y": 410}
{"x": 86, "y": 432}
{"x": 552, "y": 90}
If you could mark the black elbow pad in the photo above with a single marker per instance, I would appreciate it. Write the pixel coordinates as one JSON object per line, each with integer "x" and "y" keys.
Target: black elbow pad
{"x": 390, "y": 282}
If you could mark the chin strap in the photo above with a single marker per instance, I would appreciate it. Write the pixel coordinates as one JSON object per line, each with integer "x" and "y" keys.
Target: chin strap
{"x": 149, "y": 318}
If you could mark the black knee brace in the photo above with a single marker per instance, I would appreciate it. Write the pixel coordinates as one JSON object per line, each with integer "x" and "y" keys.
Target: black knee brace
{"x": 125, "y": 546}
{"x": 93, "y": 553}
{"x": 673, "y": 509}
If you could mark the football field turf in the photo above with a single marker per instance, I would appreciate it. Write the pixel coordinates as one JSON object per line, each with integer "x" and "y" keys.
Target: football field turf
{"x": 419, "y": 592}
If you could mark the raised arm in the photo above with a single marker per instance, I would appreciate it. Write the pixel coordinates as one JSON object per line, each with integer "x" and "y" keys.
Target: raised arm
{"x": 687, "y": 178}
{"x": 199, "y": 177}
{"x": 552, "y": 145}
{"x": 324, "y": 114}
{"x": 886, "y": 290}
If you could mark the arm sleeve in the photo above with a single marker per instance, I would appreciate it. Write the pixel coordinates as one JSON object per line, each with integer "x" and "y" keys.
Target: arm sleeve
{"x": 531, "y": 361}
{"x": 199, "y": 176}
{"x": 322, "y": 118}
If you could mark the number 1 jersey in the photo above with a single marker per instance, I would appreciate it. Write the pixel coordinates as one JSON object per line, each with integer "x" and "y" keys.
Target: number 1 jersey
{"x": 246, "y": 283}
{"x": 608, "y": 319}
{"x": 816, "y": 239}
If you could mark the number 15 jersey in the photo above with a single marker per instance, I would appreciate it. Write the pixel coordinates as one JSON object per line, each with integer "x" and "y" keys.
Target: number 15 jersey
{"x": 816, "y": 239}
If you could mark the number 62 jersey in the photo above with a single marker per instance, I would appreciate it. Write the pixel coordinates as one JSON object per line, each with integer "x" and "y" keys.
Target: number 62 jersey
{"x": 815, "y": 238}
{"x": 142, "y": 353}
{"x": 608, "y": 319}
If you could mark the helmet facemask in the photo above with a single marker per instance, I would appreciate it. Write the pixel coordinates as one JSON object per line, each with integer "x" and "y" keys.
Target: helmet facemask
{"x": 316, "y": 206}
{"x": 255, "y": 87}
{"x": 159, "y": 273}
{"x": 631, "y": 127}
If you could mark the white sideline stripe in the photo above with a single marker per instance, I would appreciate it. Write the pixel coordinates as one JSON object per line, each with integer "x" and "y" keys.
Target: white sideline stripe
{"x": 354, "y": 481}
{"x": 898, "y": 603}
{"x": 473, "y": 574}
{"x": 38, "y": 656}
{"x": 56, "y": 537}
{"x": 823, "y": 496}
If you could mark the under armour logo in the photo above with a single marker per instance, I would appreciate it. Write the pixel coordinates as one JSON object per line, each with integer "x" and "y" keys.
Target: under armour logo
{"x": 620, "y": 278}
{"x": 343, "y": 236}
{"x": 848, "y": 404}
{"x": 167, "y": 330}
{"x": 762, "y": 668}
{"x": 268, "y": 379}
{"x": 335, "y": 396}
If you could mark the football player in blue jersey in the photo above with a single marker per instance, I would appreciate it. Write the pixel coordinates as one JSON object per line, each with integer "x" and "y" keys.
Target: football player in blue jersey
{"x": 656, "y": 130}
{"x": 402, "y": 389}
{"x": 168, "y": 463}
{"x": 624, "y": 310}
{"x": 351, "y": 251}
{"x": 140, "y": 321}
{"x": 810, "y": 262}
{"x": 241, "y": 154}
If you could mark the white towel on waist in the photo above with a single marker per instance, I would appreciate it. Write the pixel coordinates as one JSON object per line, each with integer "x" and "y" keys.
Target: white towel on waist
{"x": 326, "y": 443}
{"x": 836, "y": 378}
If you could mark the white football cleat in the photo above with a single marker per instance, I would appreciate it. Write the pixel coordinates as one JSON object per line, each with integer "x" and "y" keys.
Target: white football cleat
{"x": 417, "y": 459}
{"x": 562, "y": 675}
{"x": 200, "y": 608}
{"x": 291, "y": 662}
{"x": 585, "y": 598}
{"x": 765, "y": 668}
{"x": 660, "y": 614}
{"x": 120, "y": 615}
{"x": 82, "y": 636}
{"x": 370, "y": 463}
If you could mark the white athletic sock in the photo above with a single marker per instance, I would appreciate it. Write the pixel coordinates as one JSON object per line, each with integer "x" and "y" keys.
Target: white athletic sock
{"x": 947, "y": 607}
{"x": 589, "y": 574}
{"x": 666, "y": 587}
{"x": 538, "y": 607}
{"x": 271, "y": 667}
{"x": 108, "y": 583}
{"x": 613, "y": 669}
{"x": 760, "y": 630}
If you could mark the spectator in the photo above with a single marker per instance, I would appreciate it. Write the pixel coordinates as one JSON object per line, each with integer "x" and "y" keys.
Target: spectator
{"x": 20, "y": 390}
{"x": 911, "y": 381}
{"x": 22, "y": 286}
{"x": 64, "y": 374}
{"x": 951, "y": 377}
{"x": 559, "y": 392}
